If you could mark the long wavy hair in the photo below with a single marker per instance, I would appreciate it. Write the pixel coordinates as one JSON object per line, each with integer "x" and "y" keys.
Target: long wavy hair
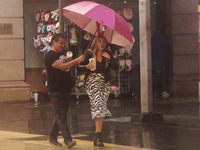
{"x": 94, "y": 49}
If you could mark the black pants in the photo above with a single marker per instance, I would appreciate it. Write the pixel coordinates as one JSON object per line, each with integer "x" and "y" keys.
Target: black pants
{"x": 159, "y": 76}
{"x": 60, "y": 103}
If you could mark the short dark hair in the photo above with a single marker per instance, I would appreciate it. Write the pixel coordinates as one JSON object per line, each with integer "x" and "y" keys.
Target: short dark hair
{"x": 56, "y": 37}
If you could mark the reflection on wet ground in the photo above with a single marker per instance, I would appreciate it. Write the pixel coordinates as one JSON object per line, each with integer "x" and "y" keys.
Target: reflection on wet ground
{"x": 180, "y": 129}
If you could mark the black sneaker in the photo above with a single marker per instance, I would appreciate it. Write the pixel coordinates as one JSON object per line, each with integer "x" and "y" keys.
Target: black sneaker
{"x": 55, "y": 143}
{"x": 70, "y": 144}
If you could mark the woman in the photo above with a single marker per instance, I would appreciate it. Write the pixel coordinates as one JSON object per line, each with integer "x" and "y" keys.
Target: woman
{"x": 97, "y": 82}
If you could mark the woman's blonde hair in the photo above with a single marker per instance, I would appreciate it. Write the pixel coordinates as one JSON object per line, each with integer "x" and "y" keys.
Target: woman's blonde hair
{"x": 94, "y": 49}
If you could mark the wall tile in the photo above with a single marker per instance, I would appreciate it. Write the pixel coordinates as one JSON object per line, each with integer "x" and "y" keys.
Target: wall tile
{"x": 11, "y": 8}
{"x": 17, "y": 28}
{"x": 185, "y": 24}
{"x": 184, "y": 6}
{"x": 185, "y": 44}
{"x": 12, "y": 70}
{"x": 184, "y": 88}
{"x": 185, "y": 64}
{"x": 11, "y": 49}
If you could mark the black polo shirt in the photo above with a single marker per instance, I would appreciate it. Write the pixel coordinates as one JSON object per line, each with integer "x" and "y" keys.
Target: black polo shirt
{"x": 58, "y": 80}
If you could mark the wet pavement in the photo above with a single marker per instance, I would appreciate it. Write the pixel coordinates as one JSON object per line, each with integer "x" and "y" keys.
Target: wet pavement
{"x": 27, "y": 125}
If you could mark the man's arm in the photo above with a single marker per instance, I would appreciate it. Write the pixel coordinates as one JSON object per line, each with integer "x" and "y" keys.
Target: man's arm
{"x": 59, "y": 65}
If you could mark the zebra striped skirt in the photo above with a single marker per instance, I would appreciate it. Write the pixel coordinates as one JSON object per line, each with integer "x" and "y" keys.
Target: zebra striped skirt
{"x": 98, "y": 92}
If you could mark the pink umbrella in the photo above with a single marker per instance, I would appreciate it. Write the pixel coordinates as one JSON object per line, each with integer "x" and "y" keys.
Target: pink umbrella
{"x": 89, "y": 15}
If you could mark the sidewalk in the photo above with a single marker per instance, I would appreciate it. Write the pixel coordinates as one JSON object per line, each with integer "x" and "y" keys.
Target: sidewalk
{"x": 26, "y": 125}
{"x": 24, "y": 141}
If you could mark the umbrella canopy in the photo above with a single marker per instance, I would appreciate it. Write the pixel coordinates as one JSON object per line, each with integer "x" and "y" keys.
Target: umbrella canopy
{"x": 89, "y": 15}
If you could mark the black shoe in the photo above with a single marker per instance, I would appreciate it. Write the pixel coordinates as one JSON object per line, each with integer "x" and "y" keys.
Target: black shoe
{"x": 70, "y": 144}
{"x": 55, "y": 143}
{"x": 98, "y": 140}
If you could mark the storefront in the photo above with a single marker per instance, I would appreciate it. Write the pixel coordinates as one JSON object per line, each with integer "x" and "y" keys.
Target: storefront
{"x": 35, "y": 50}
{"x": 21, "y": 69}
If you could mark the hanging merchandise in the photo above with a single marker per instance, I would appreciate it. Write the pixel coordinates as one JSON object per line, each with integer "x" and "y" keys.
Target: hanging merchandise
{"x": 47, "y": 26}
{"x": 127, "y": 13}
{"x": 47, "y": 18}
{"x": 121, "y": 52}
{"x": 53, "y": 28}
{"x": 42, "y": 16}
{"x": 39, "y": 28}
{"x": 44, "y": 40}
{"x": 130, "y": 25}
{"x": 57, "y": 27}
{"x": 46, "y": 49}
{"x": 39, "y": 42}
{"x": 49, "y": 37}
{"x": 116, "y": 90}
{"x": 128, "y": 65}
{"x": 38, "y": 17}
{"x": 44, "y": 29}
{"x": 128, "y": 53}
{"x": 35, "y": 43}
{"x": 73, "y": 38}
{"x": 122, "y": 64}
{"x": 87, "y": 36}
{"x": 55, "y": 16}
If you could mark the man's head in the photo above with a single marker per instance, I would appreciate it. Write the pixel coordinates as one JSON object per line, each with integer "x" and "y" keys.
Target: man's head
{"x": 58, "y": 42}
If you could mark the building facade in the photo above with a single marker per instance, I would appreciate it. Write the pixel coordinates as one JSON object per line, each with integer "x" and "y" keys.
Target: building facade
{"x": 182, "y": 33}
{"x": 21, "y": 65}
{"x": 12, "y": 63}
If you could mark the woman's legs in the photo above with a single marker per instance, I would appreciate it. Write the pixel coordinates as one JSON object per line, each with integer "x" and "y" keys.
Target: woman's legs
{"x": 97, "y": 135}
{"x": 99, "y": 124}
{"x": 96, "y": 87}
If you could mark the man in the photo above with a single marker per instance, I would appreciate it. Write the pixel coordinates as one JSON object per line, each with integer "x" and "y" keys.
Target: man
{"x": 159, "y": 49}
{"x": 59, "y": 89}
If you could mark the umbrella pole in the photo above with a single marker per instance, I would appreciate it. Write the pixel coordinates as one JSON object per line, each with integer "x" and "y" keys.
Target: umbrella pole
{"x": 93, "y": 36}
{"x": 60, "y": 6}
{"x": 109, "y": 5}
